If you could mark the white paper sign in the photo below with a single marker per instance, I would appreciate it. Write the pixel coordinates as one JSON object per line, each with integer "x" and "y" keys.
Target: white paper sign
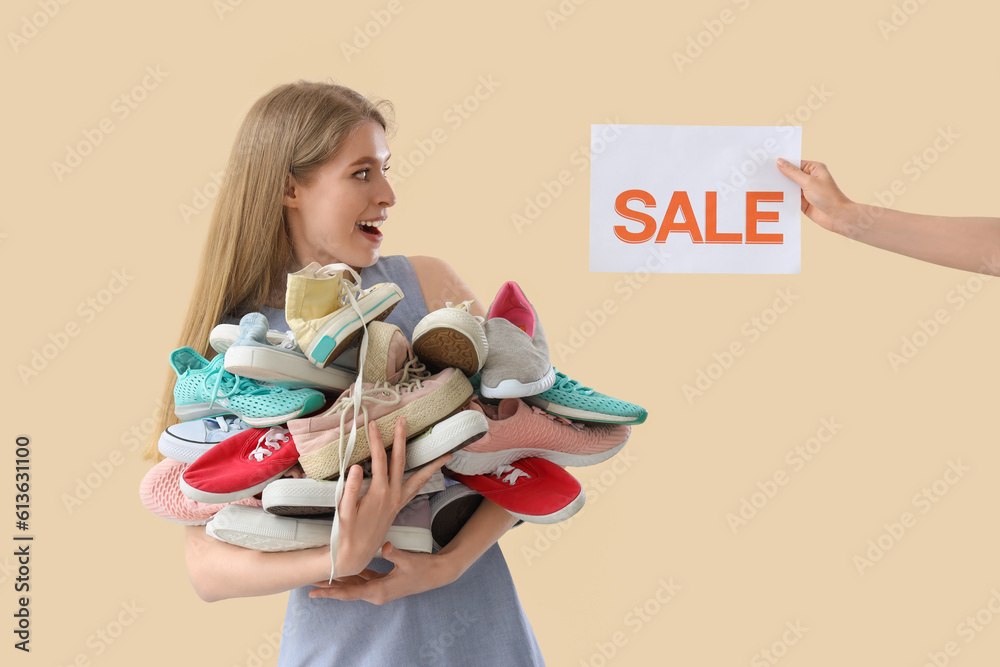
{"x": 696, "y": 199}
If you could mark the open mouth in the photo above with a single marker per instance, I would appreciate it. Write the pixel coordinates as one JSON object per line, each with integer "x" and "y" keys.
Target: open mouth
{"x": 370, "y": 228}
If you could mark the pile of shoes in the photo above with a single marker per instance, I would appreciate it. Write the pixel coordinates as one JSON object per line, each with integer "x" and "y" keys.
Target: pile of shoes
{"x": 539, "y": 420}
{"x": 260, "y": 462}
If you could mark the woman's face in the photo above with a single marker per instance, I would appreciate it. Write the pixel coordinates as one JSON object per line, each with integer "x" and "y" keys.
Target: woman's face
{"x": 335, "y": 217}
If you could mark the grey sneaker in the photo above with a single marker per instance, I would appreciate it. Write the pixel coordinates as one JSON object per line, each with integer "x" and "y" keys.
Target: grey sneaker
{"x": 411, "y": 529}
{"x": 518, "y": 361}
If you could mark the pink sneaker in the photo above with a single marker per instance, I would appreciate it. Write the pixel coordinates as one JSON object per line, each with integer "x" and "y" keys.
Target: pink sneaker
{"x": 519, "y": 431}
{"x": 160, "y": 493}
{"x": 407, "y": 390}
{"x": 533, "y": 490}
{"x": 240, "y": 466}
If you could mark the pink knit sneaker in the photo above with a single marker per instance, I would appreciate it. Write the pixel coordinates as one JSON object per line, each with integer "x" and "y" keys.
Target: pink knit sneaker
{"x": 519, "y": 431}
{"x": 160, "y": 493}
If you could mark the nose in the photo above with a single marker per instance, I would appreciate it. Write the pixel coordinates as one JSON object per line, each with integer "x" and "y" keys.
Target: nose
{"x": 386, "y": 197}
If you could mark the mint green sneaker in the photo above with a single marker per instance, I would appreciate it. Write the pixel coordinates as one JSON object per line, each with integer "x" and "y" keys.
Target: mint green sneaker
{"x": 570, "y": 399}
{"x": 205, "y": 389}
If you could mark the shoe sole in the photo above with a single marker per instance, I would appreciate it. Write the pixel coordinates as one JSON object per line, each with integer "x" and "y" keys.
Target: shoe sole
{"x": 272, "y": 365}
{"x": 261, "y": 531}
{"x": 482, "y": 463}
{"x": 513, "y": 389}
{"x": 446, "y": 437}
{"x": 583, "y": 415}
{"x": 566, "y": 512}
{"x": 224, "y": 335}
{"x": 185, "y": 451}
{"x": 228, "y": 497}
{"x": 456, "y": 340}
{"x": 308, "y": 497}
{"x": 334, "y": 336}
{"x": 193, "y": 411}
{"x": 421, "y": 414}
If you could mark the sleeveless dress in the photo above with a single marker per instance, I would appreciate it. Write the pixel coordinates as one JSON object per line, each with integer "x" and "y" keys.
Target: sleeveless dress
{"x": 475, "y": 621}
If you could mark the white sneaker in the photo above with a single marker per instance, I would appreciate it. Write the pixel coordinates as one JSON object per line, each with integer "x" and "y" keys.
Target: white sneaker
{"x": 311, "y": 497}
{"x": 224, "y": 335}
{"x": 451, "y": 337}
{"x": 253, "y": 528}
{"x": 186, "y": 441}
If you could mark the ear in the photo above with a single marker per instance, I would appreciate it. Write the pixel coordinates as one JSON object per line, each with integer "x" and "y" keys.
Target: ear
{"x": 290, "y": 200}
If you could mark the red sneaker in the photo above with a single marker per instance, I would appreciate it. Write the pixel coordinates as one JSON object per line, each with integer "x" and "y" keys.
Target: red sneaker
{"x": 240, "y": 466}
{"x": 533, "y": 490}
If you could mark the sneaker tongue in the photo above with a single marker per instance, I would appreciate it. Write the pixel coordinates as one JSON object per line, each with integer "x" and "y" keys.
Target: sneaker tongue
{"x": 396, "y": 357}
{"x": 253, "y": 327}
{"x": 489, "y": 410}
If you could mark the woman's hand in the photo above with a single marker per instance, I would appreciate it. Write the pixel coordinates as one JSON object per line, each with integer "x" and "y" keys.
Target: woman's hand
{"x": 418, "y": 572}
{"x": 969, "y": 244}
{"x": 365, "y": 522}
{"x": 822, "y": 201}
{"x": 413, "y": 573}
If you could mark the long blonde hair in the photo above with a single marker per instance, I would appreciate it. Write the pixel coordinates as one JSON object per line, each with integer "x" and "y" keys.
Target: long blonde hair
{"x": 293, "y": 129}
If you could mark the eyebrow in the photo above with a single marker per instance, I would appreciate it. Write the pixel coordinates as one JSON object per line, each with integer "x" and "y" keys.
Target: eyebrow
{"x": 367, "y": 160}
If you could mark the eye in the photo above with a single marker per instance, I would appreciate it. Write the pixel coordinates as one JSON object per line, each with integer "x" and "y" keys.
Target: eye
{"x": 385, "y": 169}
{"x": 361, "y": 174}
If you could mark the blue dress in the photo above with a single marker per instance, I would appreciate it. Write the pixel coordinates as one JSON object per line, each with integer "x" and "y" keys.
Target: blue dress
{"x": 475, "y": 621}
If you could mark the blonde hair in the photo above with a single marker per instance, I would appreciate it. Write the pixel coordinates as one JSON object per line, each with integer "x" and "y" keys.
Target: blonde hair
{"x": 293, "y": 129}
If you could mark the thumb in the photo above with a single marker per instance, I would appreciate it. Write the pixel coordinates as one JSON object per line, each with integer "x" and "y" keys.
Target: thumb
{"x": 793, "y": 172}
{"x": 387, "y": 552}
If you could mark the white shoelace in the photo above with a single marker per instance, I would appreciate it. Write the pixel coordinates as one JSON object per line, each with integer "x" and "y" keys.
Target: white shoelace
{"x": 349, "y": 294}
{"x": 512, "y": 474}
{"x": 467, "y": 307}
{"x": 228, "y": 422}
{"x": 269, "y": 443}
{"x": 289, "y": 342}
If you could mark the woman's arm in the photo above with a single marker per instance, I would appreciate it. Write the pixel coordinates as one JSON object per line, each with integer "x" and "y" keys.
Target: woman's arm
{"x": 970, "y": 244}
{"x": 219, "y": 570}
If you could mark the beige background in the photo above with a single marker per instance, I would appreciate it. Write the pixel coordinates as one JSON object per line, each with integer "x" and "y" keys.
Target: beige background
{"x": 662, "y": 517}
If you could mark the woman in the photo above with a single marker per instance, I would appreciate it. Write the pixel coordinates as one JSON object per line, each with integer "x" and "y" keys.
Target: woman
{"x": 306, "y": 181}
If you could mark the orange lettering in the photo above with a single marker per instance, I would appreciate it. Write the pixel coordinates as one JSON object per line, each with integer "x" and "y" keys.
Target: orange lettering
{"x": 679, "y": 201}
{"x": 754, "y": 216}
{"x": 711, "y": 235}
{"x": 648, "y": 222}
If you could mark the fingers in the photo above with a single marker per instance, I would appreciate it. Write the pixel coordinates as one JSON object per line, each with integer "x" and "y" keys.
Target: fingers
{"x": 378, "y": 453}
{"x": 372, "y": 590}
{"x": 399, "y": 449}
{"x": 348, "y": 505}
{"x": 791, "y": 171}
